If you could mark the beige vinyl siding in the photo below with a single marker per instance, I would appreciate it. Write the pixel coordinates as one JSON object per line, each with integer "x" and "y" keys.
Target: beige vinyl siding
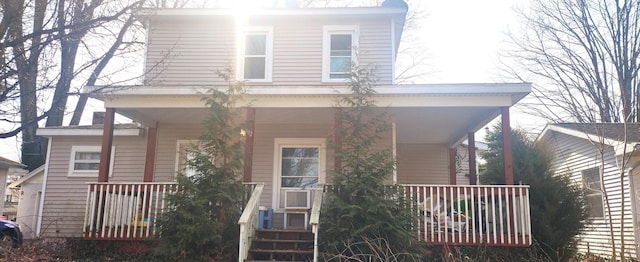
{"x": 65, "y": 197}
{"x": 574, "y": 155}
{"x": 423, "y": 164}
{"x": 462, "y": 165}
{"x": 188, "y": 51}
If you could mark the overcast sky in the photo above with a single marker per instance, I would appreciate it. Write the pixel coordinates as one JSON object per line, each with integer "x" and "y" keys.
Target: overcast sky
{"x": 461, "y": 37}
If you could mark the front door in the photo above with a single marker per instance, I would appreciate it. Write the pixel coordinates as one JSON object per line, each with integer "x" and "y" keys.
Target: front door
{"x": 299, "y": 167}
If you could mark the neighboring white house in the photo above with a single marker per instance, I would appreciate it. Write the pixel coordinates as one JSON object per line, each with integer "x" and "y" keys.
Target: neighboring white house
{"x": 581, "y": 151}
{"x": 29, "y": 189}
{"x": 5, "y": 165}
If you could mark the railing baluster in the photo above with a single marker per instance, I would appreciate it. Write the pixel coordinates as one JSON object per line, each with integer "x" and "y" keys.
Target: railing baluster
{"x": 459, "y": 215}
{"x": 431, "y": 218}
{"x": 129, "y": 209}
{"x": 121, "y": 203}
{"x": 155, "y": 209}
{"x": 86, "y": 213}
{"x": 528, "y": 217}
{"x": 513, "y": 208}
{"x": 101, "y": 210}
{"x": 110, "y": 207}
{"x": 466, "y": 213}
{"x": 494, "y": 214}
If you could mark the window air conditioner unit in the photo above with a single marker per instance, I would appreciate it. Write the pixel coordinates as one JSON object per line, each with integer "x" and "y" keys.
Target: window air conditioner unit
{"x": 297, "y": 199}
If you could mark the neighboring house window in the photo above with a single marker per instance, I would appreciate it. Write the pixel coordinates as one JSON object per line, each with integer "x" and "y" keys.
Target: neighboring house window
{"x": 185, "y": 153}
{"x": 255, "y": 54}
{"x": 591, "y": 182}
{"x": 85, "y": 161}
{"x": 339, "y": 52}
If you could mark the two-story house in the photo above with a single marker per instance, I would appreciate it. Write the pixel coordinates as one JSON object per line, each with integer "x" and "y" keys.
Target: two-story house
{"x": 109, "y": 181}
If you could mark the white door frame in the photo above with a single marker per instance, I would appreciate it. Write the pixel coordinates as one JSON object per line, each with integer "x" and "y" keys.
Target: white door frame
{"x": 279, "y": 143}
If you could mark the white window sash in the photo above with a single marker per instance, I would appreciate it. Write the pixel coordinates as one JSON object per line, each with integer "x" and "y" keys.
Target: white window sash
{"x": 241, "y": 52}
{"x": 328, "y": 31}
{"x": 88, "y": 149}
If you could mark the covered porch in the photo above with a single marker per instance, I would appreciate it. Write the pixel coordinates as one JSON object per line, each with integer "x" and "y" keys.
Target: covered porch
{"x": 429, "y": 123}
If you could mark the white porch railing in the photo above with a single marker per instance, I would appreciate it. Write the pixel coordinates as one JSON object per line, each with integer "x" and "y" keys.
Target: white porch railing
{"x": 249, "y": 222}
{"x": 314, "y": 219}
{"x": 493, "y": 215}
{"x": 116, "y": 210}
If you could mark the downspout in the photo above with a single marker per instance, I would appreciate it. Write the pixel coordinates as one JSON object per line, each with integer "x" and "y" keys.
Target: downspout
{"x": 394, "y": 152}
{"x": 44, "y": 188}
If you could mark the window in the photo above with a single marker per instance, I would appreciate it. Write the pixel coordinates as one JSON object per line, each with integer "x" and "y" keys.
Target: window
{"x": 85, "y": 161}
{"x": 339, "y": 46}
{"x": 299, "y": 167}
{"x": 186, "y": 152}
{"x": 591, "y": 182}
{"x": 255, "y": 54}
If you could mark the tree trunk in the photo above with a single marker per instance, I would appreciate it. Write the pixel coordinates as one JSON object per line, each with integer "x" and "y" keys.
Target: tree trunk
{"x": 32, "y": 148}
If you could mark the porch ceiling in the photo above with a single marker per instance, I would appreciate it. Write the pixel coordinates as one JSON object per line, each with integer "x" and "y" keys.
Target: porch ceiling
{"x": 429, "y": 125}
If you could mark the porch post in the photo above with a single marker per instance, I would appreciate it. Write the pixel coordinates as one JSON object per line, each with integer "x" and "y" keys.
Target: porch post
{"x": 107, "y": 142}
{"x": 506, "y": 149}
{"x": 248, "y": 145}
{"x": 473, "y": 177}
{"x": 337, "y": 126}
{"x": 452, "y": 166}
{"x": 150, "y": 155}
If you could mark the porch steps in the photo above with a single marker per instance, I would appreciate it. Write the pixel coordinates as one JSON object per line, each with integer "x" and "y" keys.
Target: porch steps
{"x": 281, "y": 245}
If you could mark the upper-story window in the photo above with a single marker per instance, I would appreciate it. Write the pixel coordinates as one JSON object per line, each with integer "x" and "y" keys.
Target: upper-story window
{"x": 340, "y": 43}
{"x": 255, "y": 54}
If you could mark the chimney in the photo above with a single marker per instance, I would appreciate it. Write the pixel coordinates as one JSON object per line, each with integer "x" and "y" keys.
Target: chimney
{"x": 395, "y": 3}
{"x": 98, "y": 118}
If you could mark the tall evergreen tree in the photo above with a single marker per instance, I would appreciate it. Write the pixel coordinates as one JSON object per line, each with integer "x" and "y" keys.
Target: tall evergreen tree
{"x": 202, "y": 219}
{"x": 558, "y": 206}
{"x": 361, "y": 208}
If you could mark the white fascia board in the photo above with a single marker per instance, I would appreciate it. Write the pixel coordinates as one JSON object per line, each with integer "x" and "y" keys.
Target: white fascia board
{"x": 48, "y": 132}
{"x": 27, "y": 177}
{"x": 426, "y": 89}
{"x": 273, "y": 11}
{"x": 589, "y": 137}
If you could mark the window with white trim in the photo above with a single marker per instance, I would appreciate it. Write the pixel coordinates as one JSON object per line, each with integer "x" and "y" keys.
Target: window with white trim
{"x": 255, "y": 54}
{"x": 339, "y": 46}
{"x": 593, "y": 186}
{"x": 187, "y": 151}
{"x": 85, "y": 161}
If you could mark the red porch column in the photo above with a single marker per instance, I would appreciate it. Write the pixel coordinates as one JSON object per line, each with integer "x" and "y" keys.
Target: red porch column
{"x": 150, "y": 155}
{"x": 507, "y": 150}
{"x": 452, "y": 166}
{"x": 107, "y": 143}
{"x": 337, "y": 125}
{"x": 248, "y": 145}
{"x": 473, "y": 177}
